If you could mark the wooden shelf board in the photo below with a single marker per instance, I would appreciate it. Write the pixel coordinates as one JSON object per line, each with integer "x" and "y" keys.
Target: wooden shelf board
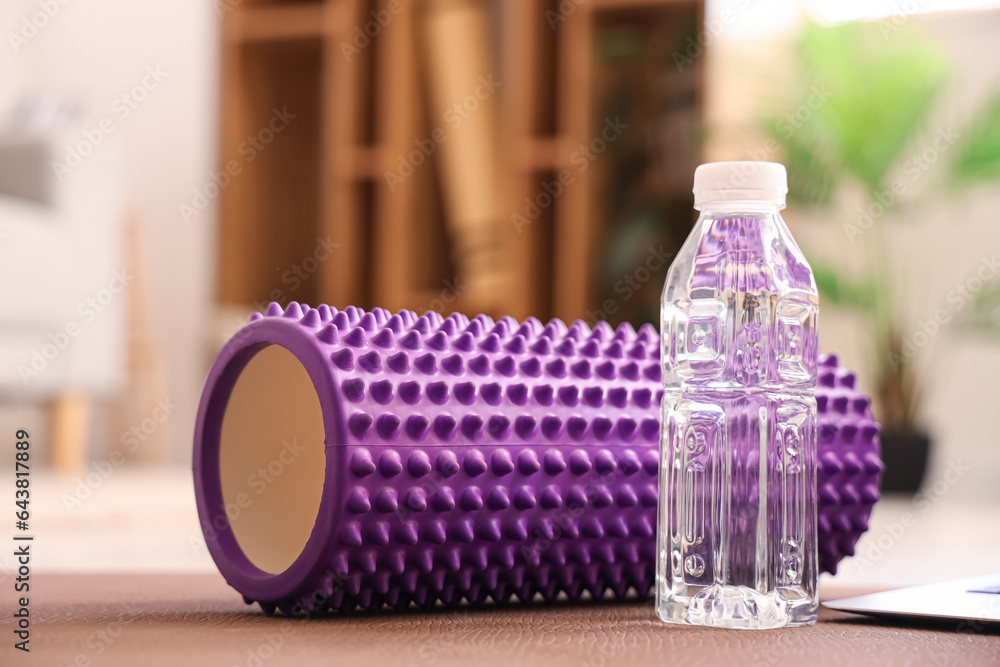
{"x": 280, "y": 22}
{"x": 361, "y": 162}
{"x": 540, "y": 154}
{"x": 605, "y": 5}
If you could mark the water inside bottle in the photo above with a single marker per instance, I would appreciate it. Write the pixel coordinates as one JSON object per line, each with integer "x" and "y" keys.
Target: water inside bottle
{"x": 737, "y": 534}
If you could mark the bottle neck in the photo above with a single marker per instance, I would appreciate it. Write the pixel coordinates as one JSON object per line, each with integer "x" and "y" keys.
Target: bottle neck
{"x": 734, "y": 209}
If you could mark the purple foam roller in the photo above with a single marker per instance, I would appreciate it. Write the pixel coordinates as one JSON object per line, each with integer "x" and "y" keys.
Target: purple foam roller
{"x": 348, "y": 459}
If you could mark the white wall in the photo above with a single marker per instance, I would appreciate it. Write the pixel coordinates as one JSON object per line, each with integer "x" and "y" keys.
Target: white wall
{"x": 97, "y": 50}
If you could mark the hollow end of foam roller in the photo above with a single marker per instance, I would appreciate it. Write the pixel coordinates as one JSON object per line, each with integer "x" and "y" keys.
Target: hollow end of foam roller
{"x": 266, "y": 482}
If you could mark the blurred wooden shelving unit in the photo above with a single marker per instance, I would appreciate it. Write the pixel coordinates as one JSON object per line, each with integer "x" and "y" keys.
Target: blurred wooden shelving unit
{"x": 358, "y": 110}
{"x": 551, "y": 111}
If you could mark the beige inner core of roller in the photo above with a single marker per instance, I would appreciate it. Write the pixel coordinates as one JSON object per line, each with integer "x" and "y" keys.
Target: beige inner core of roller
{"x": 271, "y": 459}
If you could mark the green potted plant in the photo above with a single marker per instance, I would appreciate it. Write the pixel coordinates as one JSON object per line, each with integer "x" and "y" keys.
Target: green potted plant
{"x": 879, "y": 87}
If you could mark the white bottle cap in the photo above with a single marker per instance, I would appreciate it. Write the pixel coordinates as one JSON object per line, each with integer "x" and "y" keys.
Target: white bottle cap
{"x": 740, "y": 181}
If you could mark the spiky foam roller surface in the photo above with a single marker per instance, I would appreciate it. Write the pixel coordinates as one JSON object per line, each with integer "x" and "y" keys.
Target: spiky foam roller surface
{"x": 475, "y": 459}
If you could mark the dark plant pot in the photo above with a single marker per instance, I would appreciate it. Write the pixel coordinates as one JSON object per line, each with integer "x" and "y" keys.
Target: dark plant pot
{"x": 905, "y": 454}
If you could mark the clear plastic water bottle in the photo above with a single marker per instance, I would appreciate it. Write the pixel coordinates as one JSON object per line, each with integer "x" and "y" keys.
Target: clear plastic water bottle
{"x": 737, "y": 514}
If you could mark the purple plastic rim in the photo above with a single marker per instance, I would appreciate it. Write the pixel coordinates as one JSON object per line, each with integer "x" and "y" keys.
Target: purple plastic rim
{"x": 234, "y": 565}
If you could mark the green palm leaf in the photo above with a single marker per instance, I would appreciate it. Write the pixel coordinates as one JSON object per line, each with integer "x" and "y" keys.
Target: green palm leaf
{"x": 834, "y": 288}
{"x": 978, "y": 155}
{"x": 863, "y": 98}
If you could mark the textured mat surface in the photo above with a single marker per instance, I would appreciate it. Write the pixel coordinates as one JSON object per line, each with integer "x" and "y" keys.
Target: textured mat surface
{"x": 155, "y": 621}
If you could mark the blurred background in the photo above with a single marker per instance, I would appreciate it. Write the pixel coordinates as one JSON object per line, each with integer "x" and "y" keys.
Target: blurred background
{"x": 167, "y": 168}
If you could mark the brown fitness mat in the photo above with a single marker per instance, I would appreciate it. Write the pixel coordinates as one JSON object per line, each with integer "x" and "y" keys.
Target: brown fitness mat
{"x": 194, "y": 620}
